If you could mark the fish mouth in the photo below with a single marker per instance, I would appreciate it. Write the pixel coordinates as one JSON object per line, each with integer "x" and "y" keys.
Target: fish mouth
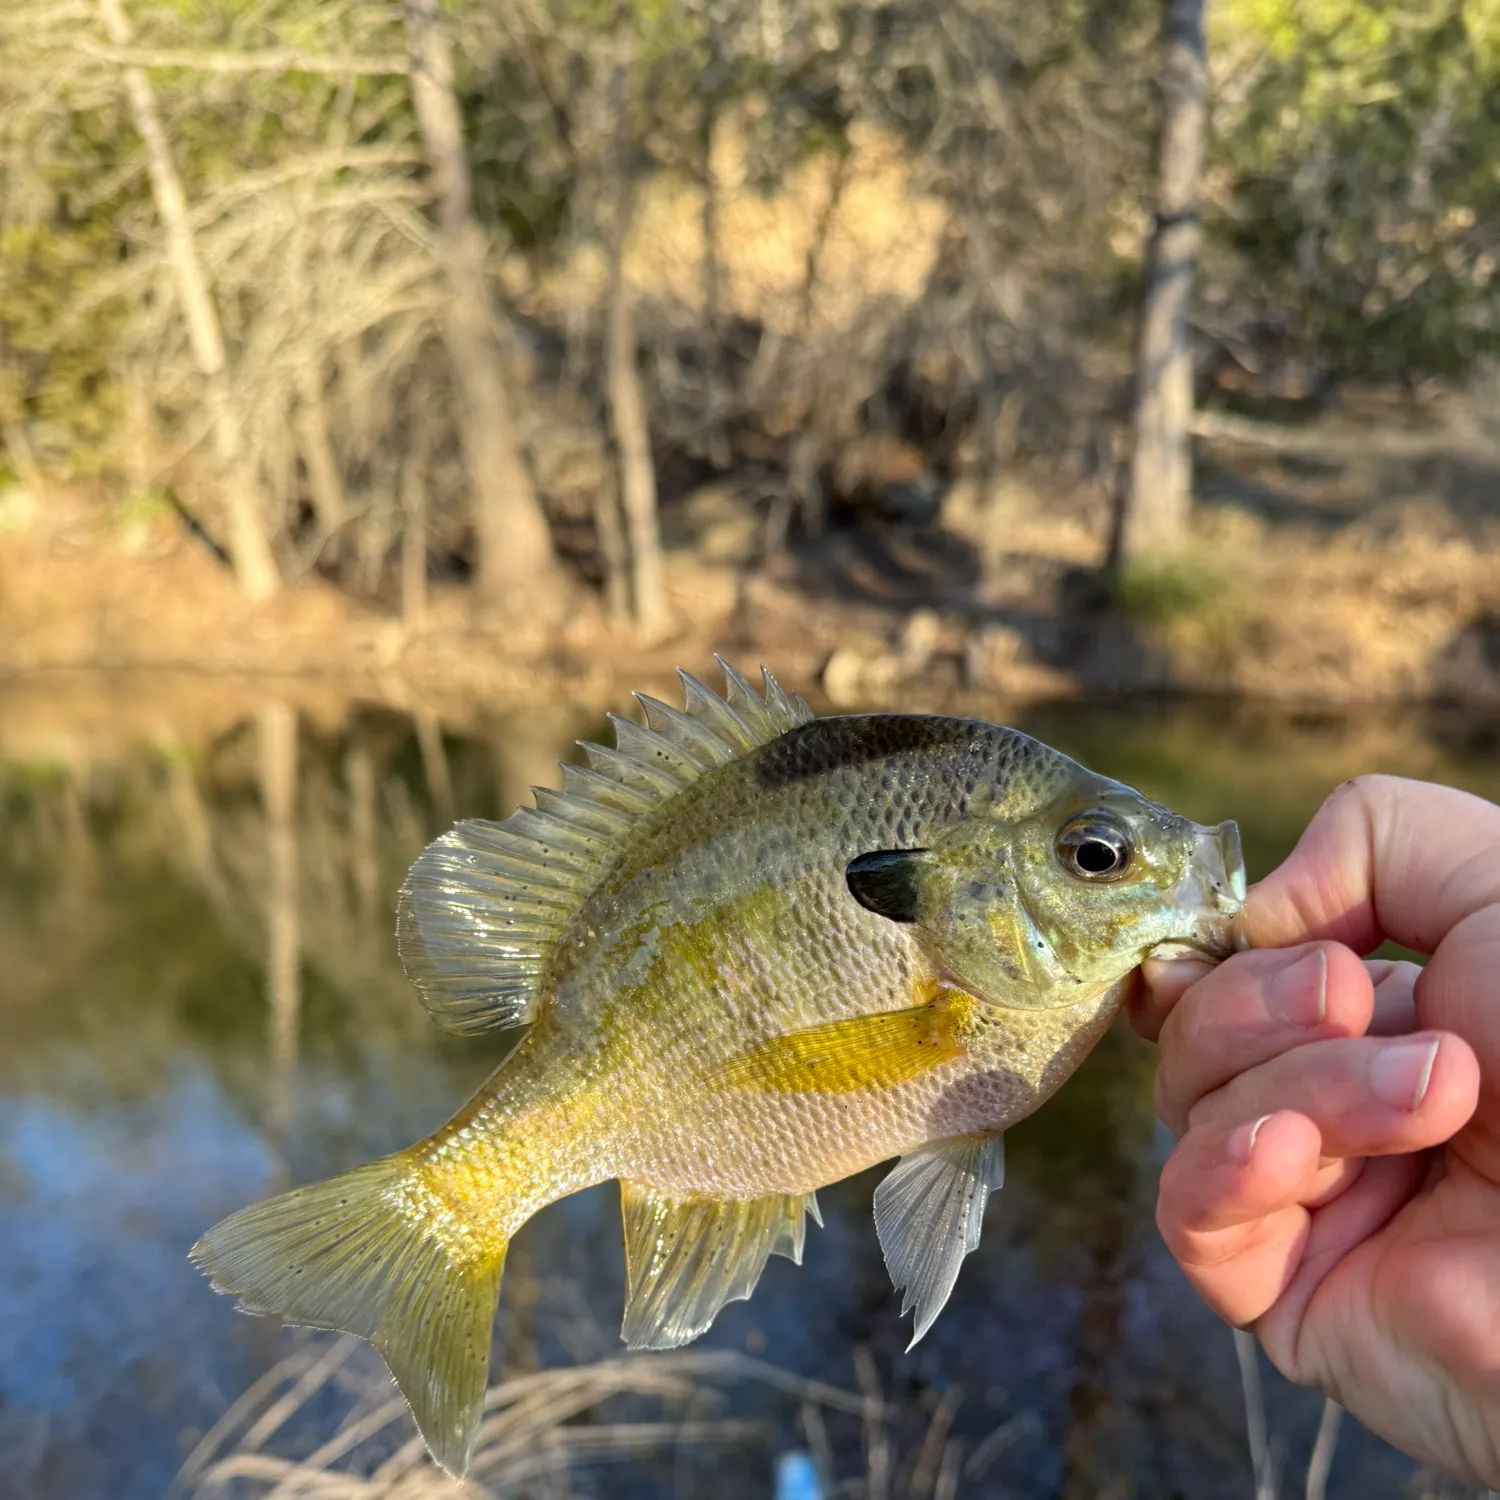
{"x": 1227, "y": 876}
{"x": 1209, "y": 896}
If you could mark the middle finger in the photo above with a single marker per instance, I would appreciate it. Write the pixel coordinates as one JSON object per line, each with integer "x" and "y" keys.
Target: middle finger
{"x": 1251, "y": 1008}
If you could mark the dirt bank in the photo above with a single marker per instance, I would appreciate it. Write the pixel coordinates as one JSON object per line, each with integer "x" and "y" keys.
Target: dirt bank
{"x": 1300, "y": 584}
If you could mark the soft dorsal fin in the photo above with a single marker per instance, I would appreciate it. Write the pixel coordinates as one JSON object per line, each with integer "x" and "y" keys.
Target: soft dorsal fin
{"x": 483, "y": 909}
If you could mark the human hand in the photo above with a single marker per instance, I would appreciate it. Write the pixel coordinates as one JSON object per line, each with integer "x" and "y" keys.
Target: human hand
{"x": 1336, "y": 1184}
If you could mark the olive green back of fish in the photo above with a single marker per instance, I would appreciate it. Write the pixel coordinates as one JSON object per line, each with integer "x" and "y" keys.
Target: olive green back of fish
{"x": 498, "y": 921}
{"x": 742, "y": 876}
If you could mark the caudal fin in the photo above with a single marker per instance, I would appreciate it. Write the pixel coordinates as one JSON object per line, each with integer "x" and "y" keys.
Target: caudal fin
{"x": 373, "y": 1252}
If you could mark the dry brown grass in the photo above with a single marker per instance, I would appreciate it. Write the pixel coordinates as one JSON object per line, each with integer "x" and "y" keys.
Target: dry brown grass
{"x": 1368, "y": 613}
{"x": 531, "y": 1428}
{"x": 539, "y": 1427}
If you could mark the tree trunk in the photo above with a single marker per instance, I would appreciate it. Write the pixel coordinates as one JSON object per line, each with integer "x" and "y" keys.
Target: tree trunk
{"x": 414, "y": 542}
{"x": 629, "y": 427}
{"x": 435, "y": 765}
{"x": 614, "y": 561}
{"x": 715, "y": 372}
{"x": 713, "y": 275}
{"x": 316, "y": 446}
{"x": 250, "y": 547}
{"x": 819, "y": 240}
{"x": 517, "y": 567}
{"x": 1157, "y": 498}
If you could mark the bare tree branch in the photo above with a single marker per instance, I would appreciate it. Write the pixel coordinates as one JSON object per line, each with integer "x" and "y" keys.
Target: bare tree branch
{"x": 628, "y": 421}
{"x": 265, "y": 60}
{"x": 254, "y": 562}
{"x": 517, "y": 564}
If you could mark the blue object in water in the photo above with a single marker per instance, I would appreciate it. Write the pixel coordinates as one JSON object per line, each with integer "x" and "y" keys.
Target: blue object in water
{"x": 797, "y": 1478}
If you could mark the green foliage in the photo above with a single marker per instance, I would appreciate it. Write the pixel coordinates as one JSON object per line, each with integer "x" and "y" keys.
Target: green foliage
{"x": 1163, "y": 591}
{"x": 142, "y": 507}
{"x": 54, "y": 363}
{"x": 78, "y": 230}
{"x": 1359, "y": 202}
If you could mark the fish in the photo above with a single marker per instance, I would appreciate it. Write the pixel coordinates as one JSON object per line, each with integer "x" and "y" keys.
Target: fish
{"x": 753, "y": 951}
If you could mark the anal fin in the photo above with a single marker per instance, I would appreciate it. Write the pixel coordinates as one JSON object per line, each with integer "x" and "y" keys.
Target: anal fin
{"x": 928, "y": 1214}
{"x": 685, "y": 1258}
{"x": 861, "y": 1052}
{"x": 793, "y": 1232}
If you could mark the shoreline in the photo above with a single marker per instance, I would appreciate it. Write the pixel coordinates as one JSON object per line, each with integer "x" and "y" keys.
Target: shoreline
{"x": 1403, "y": 611}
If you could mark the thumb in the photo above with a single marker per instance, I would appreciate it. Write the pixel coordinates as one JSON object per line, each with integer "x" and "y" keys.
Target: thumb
{"x": 1383, "y": 858}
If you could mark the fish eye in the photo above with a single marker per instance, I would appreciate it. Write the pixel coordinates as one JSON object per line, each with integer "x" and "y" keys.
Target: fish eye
{"x": 1094, "y": 847}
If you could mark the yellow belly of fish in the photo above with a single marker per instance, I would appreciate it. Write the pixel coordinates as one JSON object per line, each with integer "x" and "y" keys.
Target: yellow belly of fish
{"x": 707, "y": 1140}
{"x": 551, "y": 1124}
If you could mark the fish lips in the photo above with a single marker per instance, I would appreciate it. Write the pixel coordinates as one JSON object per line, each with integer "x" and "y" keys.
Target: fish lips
{"x": 1209, "y": 896}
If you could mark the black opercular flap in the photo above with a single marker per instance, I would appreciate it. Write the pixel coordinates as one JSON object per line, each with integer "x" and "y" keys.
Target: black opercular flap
{"x": 888, "y": 882}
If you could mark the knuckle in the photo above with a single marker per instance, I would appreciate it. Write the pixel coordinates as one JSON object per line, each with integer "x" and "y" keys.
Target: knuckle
{"x": 1203, "y": 1111}
{"x": 1369, "y": 786}
{"x": 1181, "y": 1223}
{"x": 1168, "y": 1226}
{"x": 1180, "y": 1188}
{"x": 1171, "y": 1220}
{"x": 1229, "y": 1004}
{"x": 1164, "y": 1098}
{"x": 1195, "y": 1022}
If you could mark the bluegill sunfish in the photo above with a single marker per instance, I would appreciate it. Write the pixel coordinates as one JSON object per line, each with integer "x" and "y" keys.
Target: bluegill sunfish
{"x": 756, "y": 952}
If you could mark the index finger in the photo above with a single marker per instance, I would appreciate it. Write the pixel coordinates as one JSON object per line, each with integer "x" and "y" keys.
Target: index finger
{"x": 1383, "y": 858}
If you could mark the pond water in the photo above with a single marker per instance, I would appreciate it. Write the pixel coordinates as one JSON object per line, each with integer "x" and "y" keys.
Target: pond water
{"x": 200, "y": 1001}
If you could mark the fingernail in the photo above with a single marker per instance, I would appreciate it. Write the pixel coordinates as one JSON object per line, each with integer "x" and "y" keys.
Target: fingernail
{"x": 1299, "y": 994}
{"x": 1242, "y": 1142}
{"x": 1400, "y": 1072}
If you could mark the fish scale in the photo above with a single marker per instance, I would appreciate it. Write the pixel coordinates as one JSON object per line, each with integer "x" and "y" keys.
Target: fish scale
{"x": 755, "y": 952}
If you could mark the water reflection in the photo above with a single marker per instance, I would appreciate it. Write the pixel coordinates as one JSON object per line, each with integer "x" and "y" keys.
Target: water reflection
{"x": 201, "y": 1000}
{"x": 276, "y": 726}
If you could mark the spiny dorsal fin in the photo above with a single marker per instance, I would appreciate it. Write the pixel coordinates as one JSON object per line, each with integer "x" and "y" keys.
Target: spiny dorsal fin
{"x": 483, "y": 909}
{"x": 684, "y": 1259}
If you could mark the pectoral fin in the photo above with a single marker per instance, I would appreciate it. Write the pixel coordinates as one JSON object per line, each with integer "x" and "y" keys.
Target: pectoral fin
{"x": 928, "y": 1213}
{"x": 684, "y": 1259}
{"x": 860, "y": 1053}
